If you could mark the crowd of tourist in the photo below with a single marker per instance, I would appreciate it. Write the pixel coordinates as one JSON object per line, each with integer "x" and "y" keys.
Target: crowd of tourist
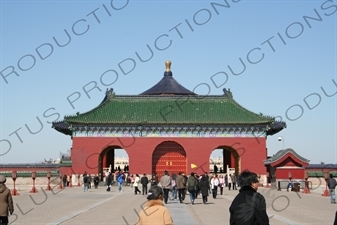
{"x": 248, "y": 207}
{"x": 176, "y": 185}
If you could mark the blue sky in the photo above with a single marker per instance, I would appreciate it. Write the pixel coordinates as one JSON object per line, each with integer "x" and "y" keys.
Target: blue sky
{"x": 290, "y": 61}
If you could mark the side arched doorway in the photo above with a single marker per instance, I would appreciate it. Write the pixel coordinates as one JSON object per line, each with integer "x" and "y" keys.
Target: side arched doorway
{"x": 169, "y": 156}
{"x": 231, "y": 159}
{"x": 106, "y": 160}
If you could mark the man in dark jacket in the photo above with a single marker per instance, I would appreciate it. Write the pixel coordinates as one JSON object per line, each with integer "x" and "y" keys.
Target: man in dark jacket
{"x": 85, "y": 181}
{"x": 233, "y": 177}
{"x": 96, "y": 181}
{"x": 144, "y": 181}
{"x": 192, "y": 184}
{"x": 204, "y": 188}
{"x": 248, "y": 207}
{"x": 108, "y": 182}
{"x": 332, "y": 185}
{"x": 6, "y": 201}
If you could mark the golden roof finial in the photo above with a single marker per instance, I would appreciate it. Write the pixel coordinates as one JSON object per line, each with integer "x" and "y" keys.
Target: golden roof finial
{"x": 168, "y": 66}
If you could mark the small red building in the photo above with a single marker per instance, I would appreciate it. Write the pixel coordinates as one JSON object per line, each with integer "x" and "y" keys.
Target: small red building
{"x": 286, "y": 164}
{"x": 169, "y": 128}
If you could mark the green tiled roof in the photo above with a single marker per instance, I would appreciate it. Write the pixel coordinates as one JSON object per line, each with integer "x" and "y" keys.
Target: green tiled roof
{"x": 66, "y": 163}
{"x": 320, "y": 173}
{"x": 169, "y": 110}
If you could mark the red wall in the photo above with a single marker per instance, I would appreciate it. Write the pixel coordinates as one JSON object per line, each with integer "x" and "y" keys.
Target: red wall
{"x": 283, "y": 173}
{"x": 86, "y": 150}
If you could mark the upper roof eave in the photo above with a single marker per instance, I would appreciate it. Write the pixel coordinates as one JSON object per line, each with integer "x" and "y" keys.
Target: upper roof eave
{"x": 217, "y": 101}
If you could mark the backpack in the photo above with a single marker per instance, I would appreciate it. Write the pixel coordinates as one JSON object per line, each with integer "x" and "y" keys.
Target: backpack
{"x": 85, "y": 179}
{"x": 191, "y": 184}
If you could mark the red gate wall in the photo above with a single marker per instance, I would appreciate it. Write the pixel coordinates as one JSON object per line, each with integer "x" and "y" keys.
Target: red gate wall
{"x": 86, "y": 150}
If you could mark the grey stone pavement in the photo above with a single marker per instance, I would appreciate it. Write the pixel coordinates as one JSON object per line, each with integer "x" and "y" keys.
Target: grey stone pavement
{"x": 74, "y": 206}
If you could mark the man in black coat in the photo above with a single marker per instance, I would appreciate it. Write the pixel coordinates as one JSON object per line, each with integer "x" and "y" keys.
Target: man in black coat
{"x": 332, "y": 185}
{"x": 204, "y": 188}
{"x": 144, "y": 181}
{"x": 108, "y": 182}
{"x": 249, "y": 206}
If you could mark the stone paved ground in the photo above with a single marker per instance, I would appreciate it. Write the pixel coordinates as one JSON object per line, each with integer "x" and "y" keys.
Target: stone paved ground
{"x": 73, "y": 206}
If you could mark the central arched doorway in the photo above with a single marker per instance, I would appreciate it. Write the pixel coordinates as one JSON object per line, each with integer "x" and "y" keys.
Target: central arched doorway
{"x": 169, "y": 156}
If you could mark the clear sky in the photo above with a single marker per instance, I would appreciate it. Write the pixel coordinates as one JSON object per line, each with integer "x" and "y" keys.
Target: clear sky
{"x": 277, "y": 57}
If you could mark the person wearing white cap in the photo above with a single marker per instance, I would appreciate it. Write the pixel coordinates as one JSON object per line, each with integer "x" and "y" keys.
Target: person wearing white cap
{"x": 6, "y": 201}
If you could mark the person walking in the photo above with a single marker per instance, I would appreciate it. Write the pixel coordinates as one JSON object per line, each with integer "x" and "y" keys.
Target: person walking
{"x": 174, "y": 187}
{"x": 249, "y": 206}
{"x": 136, "y": 184}
{"x": 144, "y": 181}
{"x": 165, "y": 182}
{"x": 108, "y": 180}
{"x": 229, "y": 180}
{"x": 120, "y": 180}
{"x": 85, "y": 181}
{"x": 96, "y": 181}
{"x": 198, "y": 190}
{"x": 89, "y": 181}
{"x": 6, "y": 201}
{"x": 132, "y": 180}
{"x": 106, "y": 174}
{"x": 290, "y": 185}
{"x": 64, "y": 180}
{"x": 204, "y": 188}
{"x": 233, "y": 177}
{"x": 221, "y": 183}
{"x": 68, "y": 180}
{"x": 181, "y": 186}
{"x": 332, "y": 185}
{"x": 155, "y": 212}
{"x": 215, "y": 183}
{"x": 153, "y": 181}
{"x": 226, "y": 180}
{"x": 192, "y": 183}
